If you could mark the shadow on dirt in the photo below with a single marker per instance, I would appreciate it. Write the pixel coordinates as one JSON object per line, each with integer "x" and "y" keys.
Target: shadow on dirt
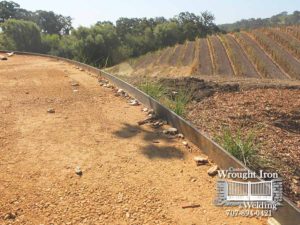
{"x": 154, "y": 138}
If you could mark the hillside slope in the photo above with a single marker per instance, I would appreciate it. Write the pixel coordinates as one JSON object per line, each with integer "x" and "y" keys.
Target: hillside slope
{"x": 268, "y": 53}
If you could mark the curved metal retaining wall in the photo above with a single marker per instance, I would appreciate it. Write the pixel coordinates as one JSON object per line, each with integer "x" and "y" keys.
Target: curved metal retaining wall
{"x": 288, "y": 214}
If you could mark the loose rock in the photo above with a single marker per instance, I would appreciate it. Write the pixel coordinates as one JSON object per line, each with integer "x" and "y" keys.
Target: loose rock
{"x": 9, "y": 54}
{"x": 200, "y": 160}
{"x": 185, "y": 143}
{"x": 51, "y": 110}
{"x": 134, "y": 102}
{"x": 74, "y": 84}
{"x": 151, "y": 111}
{"x": 213, "y": 170}
{"x": 120, "y": 91}
{"x": 156, "y": 124}
{"x": 171, "y": 130}
{"x": 78, "y": 171}
{"x": 180, "y": 136}
{"x": 10, "y": 216}
{"x": 3, "y": 57}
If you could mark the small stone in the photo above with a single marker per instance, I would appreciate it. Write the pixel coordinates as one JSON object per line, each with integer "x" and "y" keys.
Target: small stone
{"x": 193, "y": 180}
{"x": 185, "y": 143}
{"x": 75, "y": 90}
{"x": 200, "y": 160}
{"x": 120, "y": 198}
{"x": 80, "y": 69}
{"x": 295, "y": 181}
{"x": 10, "y": 216}
{"x": 151, "y": 116}
{"x": 9, "y": 54}
{"x": 3, "y": 57}
{"x": 212, "y": 171}
{"x": 127, "y": 215}
{"x": 151, "y": 111}
{"x": 134, "y": 102}
{"x": 142, "y": 122}
{"x": 78, "y": 171}
{"x": 180, "y": 135}
{"x": 170, "y": 130}
{"x": 156, "y": 124}
{"x": 145, "y": 109}
{"x": 120, "y": 91}
{"x": 74, "y": 84}
{"x": 50, "y": 110}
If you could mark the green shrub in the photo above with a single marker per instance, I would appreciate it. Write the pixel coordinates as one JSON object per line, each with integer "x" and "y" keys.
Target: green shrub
{"x": 21, "y": 35}
{"x": 179, "y": 102}
{"x": 154, "y": 89}
{"x": 243, "y": 147}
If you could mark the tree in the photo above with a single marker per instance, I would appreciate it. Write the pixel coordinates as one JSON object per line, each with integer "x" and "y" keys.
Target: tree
{"x": 52, "y": 23}
{"x": 8, "y": 10}
{"x": 96, "y": 45}
{"x": 168, "y": 34}
{"x": 21, "y": 35}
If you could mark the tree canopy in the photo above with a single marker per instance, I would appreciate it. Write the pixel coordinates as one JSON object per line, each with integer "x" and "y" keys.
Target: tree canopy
{"x": 21, "y": 35}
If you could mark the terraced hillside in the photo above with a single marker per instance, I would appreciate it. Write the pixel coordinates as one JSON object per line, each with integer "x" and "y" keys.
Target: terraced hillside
{"x": 272, "y": 53}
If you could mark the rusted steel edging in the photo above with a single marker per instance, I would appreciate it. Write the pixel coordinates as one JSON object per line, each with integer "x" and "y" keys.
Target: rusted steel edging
{"x": 288, "y": 214}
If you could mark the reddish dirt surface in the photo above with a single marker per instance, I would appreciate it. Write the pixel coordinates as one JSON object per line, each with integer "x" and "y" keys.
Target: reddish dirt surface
{"x": 221, "y": 59}
{"x": 127, "y": 178}
{"x": 248, "y": 70}
{"x": 205, "y": 63}
{"x": 189, "y": 53}
{"x": 270, "y": 68}
{"x": 272, "y": 114}
{"x": 174, "y": 59}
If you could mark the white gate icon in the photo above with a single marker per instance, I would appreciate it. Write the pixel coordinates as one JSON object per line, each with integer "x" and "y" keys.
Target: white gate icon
{"x": 249, "y": 191}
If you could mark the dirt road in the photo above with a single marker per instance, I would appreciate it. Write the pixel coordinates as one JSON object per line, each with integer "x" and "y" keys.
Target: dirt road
{"x": 127, "y": 178}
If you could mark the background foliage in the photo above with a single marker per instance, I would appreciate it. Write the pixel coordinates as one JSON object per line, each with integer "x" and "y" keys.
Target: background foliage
{"x": 105, "y": 43}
